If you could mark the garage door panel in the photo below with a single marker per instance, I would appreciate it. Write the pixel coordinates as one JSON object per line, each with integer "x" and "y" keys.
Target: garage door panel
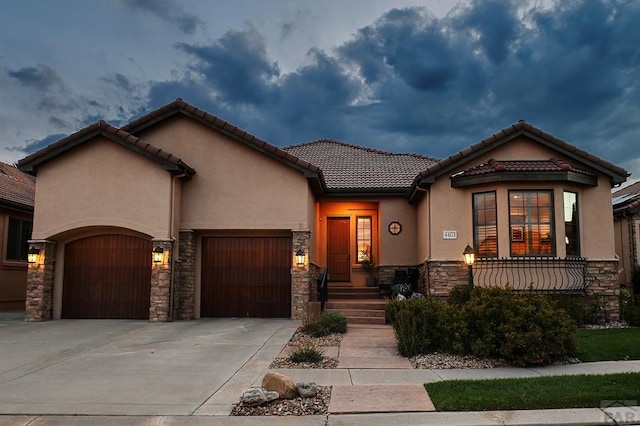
{"x": 246, "y": 276}
{"x": 107, "y": 276}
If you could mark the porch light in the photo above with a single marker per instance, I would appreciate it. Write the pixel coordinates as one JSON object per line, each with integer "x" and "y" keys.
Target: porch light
{"x": 158, "y": 254}
{"x": 469, "y": 258}
{"x": 33, "y": 254}
{"x": 300, "y": 257}
{"x": 469, "y": 255}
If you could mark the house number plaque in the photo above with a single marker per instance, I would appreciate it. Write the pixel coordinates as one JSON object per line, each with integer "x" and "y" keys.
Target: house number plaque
{"x": 449, "y": 235}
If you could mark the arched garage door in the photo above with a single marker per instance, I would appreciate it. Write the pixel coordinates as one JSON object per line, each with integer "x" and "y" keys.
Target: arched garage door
{"x": 246, "y": 277}
{"x": 107, "y": 276}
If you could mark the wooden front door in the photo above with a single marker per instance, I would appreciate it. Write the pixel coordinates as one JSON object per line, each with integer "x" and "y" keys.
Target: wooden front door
{"x": 338, "y": 252}
{"x": 246, "y": 277}
{"x": 107, "y": 276}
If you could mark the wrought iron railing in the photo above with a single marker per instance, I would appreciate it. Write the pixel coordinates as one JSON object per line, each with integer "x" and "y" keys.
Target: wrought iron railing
{"x": 544, "y": 274}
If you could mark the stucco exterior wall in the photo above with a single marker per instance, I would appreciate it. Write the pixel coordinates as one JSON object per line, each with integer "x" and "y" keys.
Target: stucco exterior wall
{"x": 235, "y": 186}
{"x": 402, "y": 249}
{"x": 102, "y": 183}
{"x": 451, "y": 208}
{"x": 423, "y": 226}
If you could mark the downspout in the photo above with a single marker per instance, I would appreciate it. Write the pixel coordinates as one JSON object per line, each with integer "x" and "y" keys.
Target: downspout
{"x": 172, "y": 286}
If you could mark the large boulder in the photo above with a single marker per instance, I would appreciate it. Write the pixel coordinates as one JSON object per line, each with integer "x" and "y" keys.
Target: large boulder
{"x": 280, "y": 383}
{"x": 257, "y": 396}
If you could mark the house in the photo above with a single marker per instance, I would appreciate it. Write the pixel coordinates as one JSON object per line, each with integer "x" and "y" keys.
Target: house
{"x": 180, "y": 215}
{"x": 17, "y": 190}
{"x": 626, "y": 213}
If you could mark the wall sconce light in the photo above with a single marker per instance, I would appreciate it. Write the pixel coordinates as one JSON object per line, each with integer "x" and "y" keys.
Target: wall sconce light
{"x": 158, "y": 254}
{"x": 469, "y": 258}
{"x": 300, "y": 257}
{"x": 33, "y": 254}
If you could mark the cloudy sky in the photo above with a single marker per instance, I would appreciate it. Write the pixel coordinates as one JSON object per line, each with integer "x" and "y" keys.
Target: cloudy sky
{"x": 423, "y": 76}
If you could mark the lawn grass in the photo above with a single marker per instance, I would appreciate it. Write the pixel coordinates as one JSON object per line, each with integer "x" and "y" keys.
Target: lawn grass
{"x": 612, "y": 344}
{"x": 533, "y": 393}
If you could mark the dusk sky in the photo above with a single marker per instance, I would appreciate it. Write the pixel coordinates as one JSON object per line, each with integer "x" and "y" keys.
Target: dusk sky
{"x": 420, "y": 76}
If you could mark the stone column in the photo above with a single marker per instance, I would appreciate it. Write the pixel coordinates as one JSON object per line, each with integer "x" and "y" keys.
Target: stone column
{"x": 300, "y": 276}
{"x": 160, "y": 297}
{"x": 603, "y": 275}
{"x": 185, "y": 281}
{"x": 39, "y": 297}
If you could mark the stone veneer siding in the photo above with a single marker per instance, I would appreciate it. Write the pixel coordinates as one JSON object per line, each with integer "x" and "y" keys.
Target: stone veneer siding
{"x": 300, "y": 276}
{"x": 39, "y": 297}
{"x": 160, "y": 292}
{"x": 443, "y": 276}
{"x": 185, "y": 291}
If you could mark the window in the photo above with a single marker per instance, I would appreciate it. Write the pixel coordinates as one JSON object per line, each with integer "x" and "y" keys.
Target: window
{"x": 485, "y": 224}
{"x": 19, "y": 232}
{"x": 531, "y": 223}
{"x": 571, "y": 228}
{"x": 363, "y": 237}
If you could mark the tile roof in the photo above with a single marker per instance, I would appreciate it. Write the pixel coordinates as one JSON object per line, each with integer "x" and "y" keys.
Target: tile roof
{"x": 427, "y": 176}
{"x": 30, "y": 163}
{"x": 531, "y": 166}
{"x": 179, "y": 106}
{"x": 17, "y": 189}
{"x": 626, "y": 200}
{"x": 352, "y": 168}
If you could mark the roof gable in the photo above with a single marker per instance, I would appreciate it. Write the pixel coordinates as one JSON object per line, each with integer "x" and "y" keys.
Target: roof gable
{"x": 626, "y": 200}
{"x": 17, "y": 189}
{"x": 171, "y": 163}
{"x": 355, "y": 169}
{"x": 521, "y": 128}
{"x": 312, "y": 172}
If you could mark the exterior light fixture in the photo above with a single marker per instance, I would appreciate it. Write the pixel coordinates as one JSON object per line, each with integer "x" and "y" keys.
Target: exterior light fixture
{"x": 158, "y": 254}
{"x": 469, "y": 258}
{"x": 300, "y": 257}
{"x": 33, "y": 254}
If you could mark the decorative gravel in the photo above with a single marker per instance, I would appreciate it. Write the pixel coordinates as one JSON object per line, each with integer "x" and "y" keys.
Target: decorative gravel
{"x": 446, "y": 361}
{"x": 289, "y": 407}
{"x": 302, "y": 339}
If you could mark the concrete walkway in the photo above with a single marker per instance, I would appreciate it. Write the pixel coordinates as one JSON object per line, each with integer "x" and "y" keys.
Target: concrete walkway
{"x": 191, "y": 373}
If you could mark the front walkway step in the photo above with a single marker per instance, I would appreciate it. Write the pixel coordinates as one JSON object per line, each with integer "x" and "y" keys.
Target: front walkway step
{"x": 353, "y": 399}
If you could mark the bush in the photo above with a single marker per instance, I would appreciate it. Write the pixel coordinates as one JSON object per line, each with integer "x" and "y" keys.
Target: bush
{"x": 309, "y": 353}
{"x": 572, "y": 304}
{"x": 460, "y": 295}
{"x": 421, "y": 326}
{"x": 523, "y": 329}
{"x": 631, "y": 314}
{"x": 328, "y": 323}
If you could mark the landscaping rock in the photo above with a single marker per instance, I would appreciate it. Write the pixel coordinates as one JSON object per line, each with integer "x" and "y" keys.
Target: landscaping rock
{"x": 257, "y": 396}
{"x": 307, "y": 390}
{"x": 417, "y": 296}
{"x": 400, "y": 297}
{"x": 280, "y": 383}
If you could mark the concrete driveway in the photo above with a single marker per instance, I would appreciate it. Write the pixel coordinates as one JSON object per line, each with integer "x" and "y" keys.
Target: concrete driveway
{"x": 134, "y": 367}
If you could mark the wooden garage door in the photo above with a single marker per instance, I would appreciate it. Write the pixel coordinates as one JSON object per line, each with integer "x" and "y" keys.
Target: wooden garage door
{"x": 107, "y": 276}
{"x": 246, "y": 277}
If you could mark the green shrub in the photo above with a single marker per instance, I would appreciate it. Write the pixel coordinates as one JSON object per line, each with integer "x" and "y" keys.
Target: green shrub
{"x": 523, "y": 329}
{"x": 460, "y": 295}
{"x": 572, "y": 304}
{"x": 421, "y": 325}
{"x": 309, "y": 353}
{"x": 631, "y": 314}
{"x": 598, "y": 311}
{"x": 328, "y": 323}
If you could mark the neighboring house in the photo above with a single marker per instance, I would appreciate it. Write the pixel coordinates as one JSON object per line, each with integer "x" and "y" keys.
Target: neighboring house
{"x": 17, "y": 191}
{"x": 626, "y": 213}
{"x": 181, "y": 215}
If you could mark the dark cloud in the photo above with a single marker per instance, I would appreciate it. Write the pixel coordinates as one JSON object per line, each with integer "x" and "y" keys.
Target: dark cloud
{"x": 415, "y": 83}
{"x": 236, "y": 66}
{"x": 168, "y": 11}
{"x": 41, "y": 77}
